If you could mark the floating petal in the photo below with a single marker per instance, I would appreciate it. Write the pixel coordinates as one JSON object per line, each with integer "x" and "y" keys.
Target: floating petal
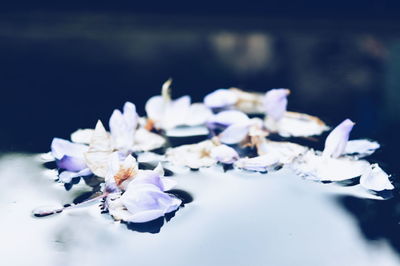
{"x": 361, "y": 147}
{"x": 249, "y": 102}
{"x": 376, "y": 179}
{"x": 234, "y": 133}
{"x": 229, "y": 117}
{"x": 316, "y": 167}
{"x": 260, "y": 163}
{"x": 285, "y": 152}
{"x": 224, "y": 154}
{"x": 192, "y": 155}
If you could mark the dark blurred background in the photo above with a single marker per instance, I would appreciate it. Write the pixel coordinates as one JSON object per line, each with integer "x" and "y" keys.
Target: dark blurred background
{"x": 63, "y": 66}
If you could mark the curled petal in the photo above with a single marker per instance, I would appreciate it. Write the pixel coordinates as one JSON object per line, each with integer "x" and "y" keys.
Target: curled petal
{"x": 73, "y": 164}
{"x": 147, "y": 202}
{"x": 296, "y": 125}
{"x": 61, "y": 148}
{"x": 234, "y": 133}
{"x": 260, "y": 163}
{"x": 123, "y": 126}
{"x": 376, "y": 179}
{"x": 229, "y": 117}
{"x": 224, "y": 154}
{"x": 361, "y": 147}
{"x": 220, "y": 98}
{"x": 82, "y": 136}
{"x": 198, "y": 114}
{"x": 275, "y": 103}
{"x": 335, "y": 143}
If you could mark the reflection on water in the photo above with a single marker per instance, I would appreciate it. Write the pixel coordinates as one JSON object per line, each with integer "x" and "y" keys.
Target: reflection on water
{"x": 233, "y": 219}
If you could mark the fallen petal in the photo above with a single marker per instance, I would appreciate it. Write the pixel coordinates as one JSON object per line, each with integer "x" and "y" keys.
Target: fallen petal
{"x": 275, "y": 103}
{"x": 376, "y": 179}
{"x": 224, "y": 154}
{"x": 361, "y": 147}
{"x": 229, "y": 117}
{"x": 220, "y": 98}
{"x": 335, "y": 143}
{"x": 259, "y": 163}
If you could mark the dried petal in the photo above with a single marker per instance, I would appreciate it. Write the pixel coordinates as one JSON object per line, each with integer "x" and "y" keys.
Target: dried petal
{"x": 296, "y": 125}
{"x": 285, "y": 152}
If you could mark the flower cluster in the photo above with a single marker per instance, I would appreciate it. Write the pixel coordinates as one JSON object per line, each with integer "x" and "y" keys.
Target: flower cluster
{"x": 236, "y": 127}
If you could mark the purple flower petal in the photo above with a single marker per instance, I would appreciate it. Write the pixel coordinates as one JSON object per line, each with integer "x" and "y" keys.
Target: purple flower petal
{"x": 73, "y": 164}
{"x": 234, "y": 133}
{"x": 275, "y": 103}
{"x": 220, "y": 98}
{"x": 61, "y": 147}
{"x": 335, "y": 143}
{"x": 229, "y": 117}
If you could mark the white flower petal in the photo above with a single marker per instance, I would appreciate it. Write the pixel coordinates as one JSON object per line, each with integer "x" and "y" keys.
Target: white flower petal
{"x": 220, "y": 98}
{"x": 198, "y": 114}
{"x": 66, "y": 176}
{"x": 62, "y": 147}
{"x": 224, "y": 154}
{"x": 376, "y": 179}
{"x": 361, "y": 147}
{"x": 317, "y": 167}
{"x": 185, "y": 131}
{"x": 234, "y": 133}
{"x": 82, "y": 136}
{"x": 229, "y": 117}
{"x": 147, "y": 141}
{"x": 335, "y": 143}
{"x": 285, "y": 152}
{"x": 100, "y": 149}
{"x": 155, "y": 108}
{"x": 193, "y": 155}
{"x": 176, "y": 112}
{"x": 296, "y": 125}
{"x": 260, "y": 163}
{"x": 249, "y": 102}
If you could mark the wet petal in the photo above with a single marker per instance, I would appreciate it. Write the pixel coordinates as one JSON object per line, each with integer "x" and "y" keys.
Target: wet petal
{"x": 198, "y": 114}
{"x": 361, "y": 147}
{"x": 259, "y": 163}
{"x": 376, "y": 179}
{"x": 82, "y": 136}
{"x": 193, "y": 155}
{"x": 335, "y": 143}
{"x": 67, "y": 176}
{"x": 317, "y": 167}
{"x": 275, "y": 103}
{"x": 234, "y": 133}
{"x": 296, "y": 125}
{"x": 62, "y": 147}
{"x": 229, "y": 117}
{"x": 148, "y": 202}
{"x": 220, "y": 98}
{"x": 285, "y": 152}
{"x": 73, "y": 164}
{"x": 224, "y": 154}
